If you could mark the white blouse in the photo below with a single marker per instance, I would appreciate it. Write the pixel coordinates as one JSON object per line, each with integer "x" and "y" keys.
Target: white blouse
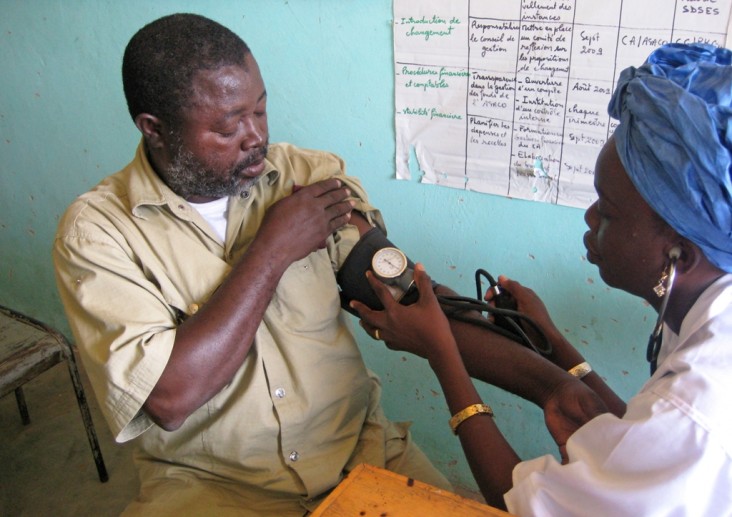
{"x": 671, "y": 454}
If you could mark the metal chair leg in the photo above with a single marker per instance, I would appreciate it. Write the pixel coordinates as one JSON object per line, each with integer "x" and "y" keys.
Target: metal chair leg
{"x": 86, "y": 417}
{"x": 20, "y": 399}
{"x": 64, "y": 351}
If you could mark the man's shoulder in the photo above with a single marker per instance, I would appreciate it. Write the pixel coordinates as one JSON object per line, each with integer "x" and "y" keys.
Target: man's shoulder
{"x": 282, "y": 153}
{"x": 304, "y": 166}
{"x": 107, "y": 199}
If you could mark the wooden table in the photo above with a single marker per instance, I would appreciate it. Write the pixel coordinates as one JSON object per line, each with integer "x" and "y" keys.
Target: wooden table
{"x": 369, "y": 491}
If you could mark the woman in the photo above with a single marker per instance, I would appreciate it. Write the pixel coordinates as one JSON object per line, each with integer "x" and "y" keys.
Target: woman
{"x": 661, "y": 229}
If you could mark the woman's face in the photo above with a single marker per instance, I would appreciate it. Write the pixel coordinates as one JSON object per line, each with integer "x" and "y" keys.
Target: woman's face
{"x": 626, "y": 240}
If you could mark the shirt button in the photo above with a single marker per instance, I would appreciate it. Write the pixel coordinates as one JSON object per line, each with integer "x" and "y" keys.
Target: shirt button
{"x": 193, "y": 308}
{"x": 280, "y": 393}
{"x": 294, "y": 456}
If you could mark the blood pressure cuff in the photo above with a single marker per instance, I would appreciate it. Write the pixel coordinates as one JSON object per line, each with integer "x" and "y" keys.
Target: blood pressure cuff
{"x": 352, "y": 279}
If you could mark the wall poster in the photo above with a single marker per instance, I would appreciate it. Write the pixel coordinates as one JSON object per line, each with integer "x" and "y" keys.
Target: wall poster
{"x": 510, "y": 97}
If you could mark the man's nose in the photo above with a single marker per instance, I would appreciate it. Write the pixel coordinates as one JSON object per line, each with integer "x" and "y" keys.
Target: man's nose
{"x": 255, "y": 134}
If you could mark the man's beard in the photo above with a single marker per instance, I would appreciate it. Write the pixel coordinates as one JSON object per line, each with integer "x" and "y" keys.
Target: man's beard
{"x": 188, "y": 176}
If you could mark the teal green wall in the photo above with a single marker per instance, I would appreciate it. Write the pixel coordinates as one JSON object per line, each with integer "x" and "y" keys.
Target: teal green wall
{"x": 328, "y": 70}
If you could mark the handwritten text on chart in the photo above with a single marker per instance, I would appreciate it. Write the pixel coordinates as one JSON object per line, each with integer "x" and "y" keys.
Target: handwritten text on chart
{"x": 511, "y": 97}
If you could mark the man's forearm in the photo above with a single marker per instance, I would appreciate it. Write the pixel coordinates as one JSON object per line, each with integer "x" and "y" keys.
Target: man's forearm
{"x": 506, "y": 364}
{"x": 212, "y": 344}
{"x": 566, "y": 357}
{"x": 502, "y": 362}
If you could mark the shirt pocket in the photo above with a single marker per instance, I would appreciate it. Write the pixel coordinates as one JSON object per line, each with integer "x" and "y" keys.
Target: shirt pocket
{"x": 181, "y": 308}
{"x": 307, "y": 296}
{"x": 188, "y": 290}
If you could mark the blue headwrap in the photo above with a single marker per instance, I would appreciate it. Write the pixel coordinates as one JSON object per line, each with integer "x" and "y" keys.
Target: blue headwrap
{"x": 675, "y": 141}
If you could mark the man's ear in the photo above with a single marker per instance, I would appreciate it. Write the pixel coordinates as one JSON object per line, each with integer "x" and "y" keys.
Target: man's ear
{"x": 152, "y": 129}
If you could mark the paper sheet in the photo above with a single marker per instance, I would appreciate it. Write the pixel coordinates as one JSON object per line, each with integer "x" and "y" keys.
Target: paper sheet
{"x": 510, "y": 97}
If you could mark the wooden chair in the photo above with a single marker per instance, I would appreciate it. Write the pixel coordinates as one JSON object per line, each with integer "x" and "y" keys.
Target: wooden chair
{"x": 29, "y": 348}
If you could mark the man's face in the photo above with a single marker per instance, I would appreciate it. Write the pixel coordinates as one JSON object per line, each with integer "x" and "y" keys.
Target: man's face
{"x": 626, "y": 240}
{"x": 220, "y": 146}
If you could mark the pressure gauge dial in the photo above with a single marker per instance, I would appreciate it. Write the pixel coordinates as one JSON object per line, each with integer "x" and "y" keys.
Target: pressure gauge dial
{"x": 389, "y": 264}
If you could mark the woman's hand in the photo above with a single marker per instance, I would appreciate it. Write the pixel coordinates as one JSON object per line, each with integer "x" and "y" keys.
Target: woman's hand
{"x": 528, "y": 303}
{"x": 563, "y": 355}
{"x": 421, "y": 328}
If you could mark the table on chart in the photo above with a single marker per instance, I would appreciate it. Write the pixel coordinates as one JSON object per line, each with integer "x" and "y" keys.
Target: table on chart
{"x": 510, "y": 97}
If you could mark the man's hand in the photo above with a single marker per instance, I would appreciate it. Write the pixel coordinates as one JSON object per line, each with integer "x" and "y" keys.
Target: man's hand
{"x": 297, "y": 225}
{"x": 571, "y": 405}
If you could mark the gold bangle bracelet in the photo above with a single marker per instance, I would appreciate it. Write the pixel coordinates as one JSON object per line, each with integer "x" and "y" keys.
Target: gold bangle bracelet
{"x": 580, "y": 370}
{"x": 472, "y": 410}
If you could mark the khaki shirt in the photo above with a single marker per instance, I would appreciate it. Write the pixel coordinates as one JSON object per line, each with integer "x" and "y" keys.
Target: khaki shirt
{"x": 133, "y": 260}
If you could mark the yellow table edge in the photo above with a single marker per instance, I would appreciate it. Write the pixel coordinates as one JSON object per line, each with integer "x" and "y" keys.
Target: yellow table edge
{"x": 346, "y": 499}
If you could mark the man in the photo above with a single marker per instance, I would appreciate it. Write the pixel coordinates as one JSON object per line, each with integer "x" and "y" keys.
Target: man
{"x": 199, "y": 284}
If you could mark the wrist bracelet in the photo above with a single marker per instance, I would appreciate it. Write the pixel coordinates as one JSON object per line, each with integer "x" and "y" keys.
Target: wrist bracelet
{"x": 472, "y": 410}
{"x": 580, "y": 370}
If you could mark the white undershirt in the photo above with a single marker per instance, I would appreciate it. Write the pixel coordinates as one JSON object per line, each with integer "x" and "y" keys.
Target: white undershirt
{"x": 214, "y": 212}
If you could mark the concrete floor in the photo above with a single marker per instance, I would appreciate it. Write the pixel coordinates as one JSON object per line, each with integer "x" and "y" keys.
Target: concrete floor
{"x": 46, "y": 467}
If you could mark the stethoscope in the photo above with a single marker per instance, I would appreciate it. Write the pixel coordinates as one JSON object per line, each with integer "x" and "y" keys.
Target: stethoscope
{"x": 656, "y": 337}
{"x": 507, "y": 321}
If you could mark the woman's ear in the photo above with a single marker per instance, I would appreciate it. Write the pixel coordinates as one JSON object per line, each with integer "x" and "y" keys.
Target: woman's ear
{"x": 688, "y": 255}
{"x": 152, "y": 129}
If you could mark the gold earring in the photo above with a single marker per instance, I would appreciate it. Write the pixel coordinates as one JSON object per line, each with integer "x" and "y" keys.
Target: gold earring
{"x": 662, "y": 290}
{"x": 660, "y": 287}
{"x": 673, "y": 255}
